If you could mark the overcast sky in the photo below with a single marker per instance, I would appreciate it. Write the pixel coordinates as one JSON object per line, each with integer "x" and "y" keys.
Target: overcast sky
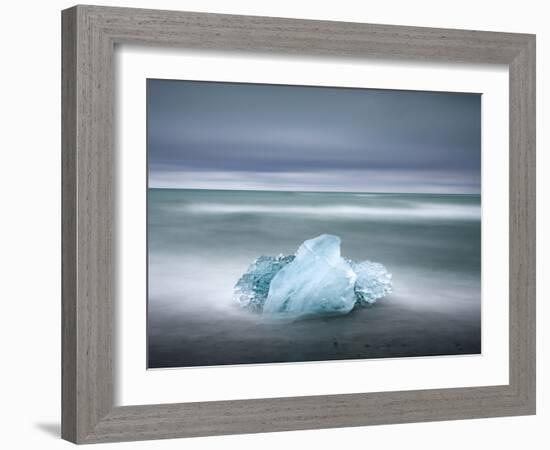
{"x": 266, "y": 137}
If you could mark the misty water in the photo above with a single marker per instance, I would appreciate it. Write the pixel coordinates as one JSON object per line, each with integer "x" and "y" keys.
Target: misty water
{"x": 201, "y": 241}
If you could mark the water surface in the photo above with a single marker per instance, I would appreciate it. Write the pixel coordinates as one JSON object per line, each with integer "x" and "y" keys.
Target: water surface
{"x": 201, "y": 241}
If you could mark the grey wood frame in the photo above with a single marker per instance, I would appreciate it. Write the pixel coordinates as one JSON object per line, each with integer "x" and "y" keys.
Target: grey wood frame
{"x": 89, "y": 36}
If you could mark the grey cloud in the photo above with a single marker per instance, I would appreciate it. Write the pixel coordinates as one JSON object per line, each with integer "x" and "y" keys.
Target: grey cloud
{"x": 249, "y": 131}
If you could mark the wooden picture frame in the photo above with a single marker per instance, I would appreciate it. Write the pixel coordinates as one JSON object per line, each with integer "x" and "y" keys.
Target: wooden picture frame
{"x": 90, "y": 34}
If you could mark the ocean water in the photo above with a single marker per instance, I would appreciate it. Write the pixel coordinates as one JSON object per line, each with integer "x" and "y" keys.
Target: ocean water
{"x": 201, "y": 241}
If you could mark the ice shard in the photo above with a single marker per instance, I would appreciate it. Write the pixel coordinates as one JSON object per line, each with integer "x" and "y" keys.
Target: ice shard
{"x": 373, "y": 282}
{"x": 316, "y": 281}
{"x": 252, "y": 288}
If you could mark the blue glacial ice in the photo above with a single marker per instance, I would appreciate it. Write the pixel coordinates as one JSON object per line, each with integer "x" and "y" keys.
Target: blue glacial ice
{"x": 316, "y": 281}
{"x": 373, "y": 282}
{"x": 252, "y": 288}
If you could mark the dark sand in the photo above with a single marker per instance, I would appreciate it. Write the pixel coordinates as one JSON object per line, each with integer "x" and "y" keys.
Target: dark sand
{"x": 386, "y": 329}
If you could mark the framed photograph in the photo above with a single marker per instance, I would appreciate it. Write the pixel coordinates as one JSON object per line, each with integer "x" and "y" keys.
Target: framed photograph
{"x": 278, "y": 224}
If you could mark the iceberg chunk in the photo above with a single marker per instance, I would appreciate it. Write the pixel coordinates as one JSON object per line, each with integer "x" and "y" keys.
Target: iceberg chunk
{"x": 373, "y": 282}
{"x": 318, "y": 282}
{"x": 315, "y": 281}
{"x": 252, "y": 288}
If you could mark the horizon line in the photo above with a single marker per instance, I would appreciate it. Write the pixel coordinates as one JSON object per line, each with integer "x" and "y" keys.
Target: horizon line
{"x": 314, "y": 192}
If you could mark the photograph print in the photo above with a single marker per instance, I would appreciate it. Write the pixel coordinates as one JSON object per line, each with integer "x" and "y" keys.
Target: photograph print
{"x": 290, "y": 224}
